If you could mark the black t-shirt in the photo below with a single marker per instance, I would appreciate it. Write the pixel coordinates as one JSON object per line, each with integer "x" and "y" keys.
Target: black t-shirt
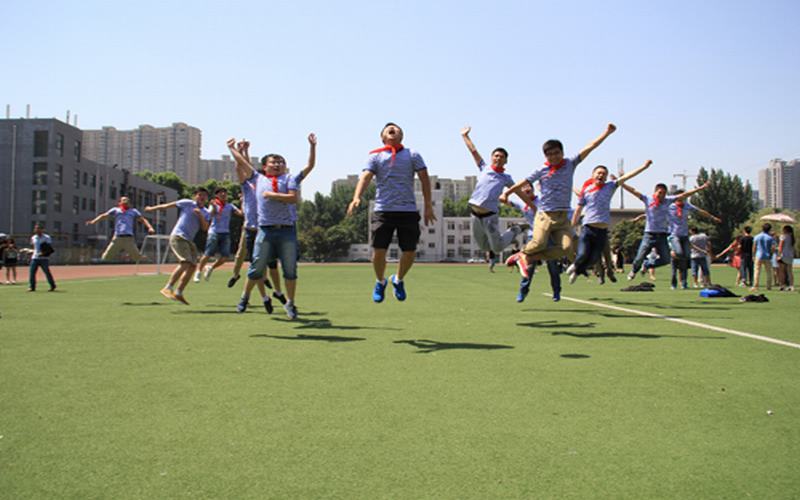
{"x": 746, "y": 243}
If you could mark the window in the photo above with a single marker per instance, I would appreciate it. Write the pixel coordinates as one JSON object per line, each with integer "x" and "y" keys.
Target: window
{"x": 93, "y": 181}
{"x": 58, "y": 174}
{"x": 431, "y": 245}
{"x": 464, "y": 252}
{"x": 75, "y": 233}
{"x": 40, "y": 174}
{"x": 40, "y": 139}
{"x": 60, "y": 144}
{"x": 451, "y": 226}
{"x": 393, "y": 253}
{"x": 451, "y": 253}
{"x": 83, "y": 203}
{"x": 102, "y": 186}
{"x": 465, "y": 225}
{"x": 76, "y": 178}
{"x": 39, "y": 202}
{"x": 57, "y": 226}
{"x": 77, "y": 151}
{"x": 85, "y": 178}
{"x": 112, "y": 191}
{"x": 465, "y": 239}
{"x": 92, "y": 204}
{"x": 431, "y": 230}
{"x": 57, "y": 202}
{"x": 76, "y": 205}
{"x": 451, "y": 239}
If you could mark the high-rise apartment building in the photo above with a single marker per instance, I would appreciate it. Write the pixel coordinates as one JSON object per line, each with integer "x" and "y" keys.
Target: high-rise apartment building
{"x": 166, "y": 149}
{"x": 779, "y": 184}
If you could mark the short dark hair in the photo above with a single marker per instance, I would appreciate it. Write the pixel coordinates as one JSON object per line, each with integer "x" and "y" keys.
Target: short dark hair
{"x": 661, "y": 185}
{"x": 271, "y": 155}
{"x": 748, "y": 229}
{"x": 200, "y": 190}
{"x": 600, "y": 166}
{"x": 502, "y": 150}
{"x": 220, "y": 190}
{"x": 552, "y": 143}
{"x": 679, "y": 191}
{"x": 389, "y": 124}
{"x": 766, "y": 227}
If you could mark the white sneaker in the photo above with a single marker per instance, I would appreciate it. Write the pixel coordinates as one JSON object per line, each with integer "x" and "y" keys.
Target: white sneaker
{"x": 572, "y": 274}
{"x": 291, "y": 310}
{"x": 207, "y": 273}
{"x": 196, "y": 278}
{"x": 631, "y": 276}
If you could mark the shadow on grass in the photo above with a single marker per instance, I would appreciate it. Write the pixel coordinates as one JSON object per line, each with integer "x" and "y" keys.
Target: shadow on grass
{"x": 275, "y": 304}
{"x": 322, "y": 338}
{"x": 207, "y": 311}
{"x": 427, "y": 346}
{"x": 146, "y": 304}
{"x": 325, "y": 324}
{"x": 555, "y": 324}
{"x": 575, "y": 356}
{"x": 647, "y": 336}
{"x": 556, "y": 309}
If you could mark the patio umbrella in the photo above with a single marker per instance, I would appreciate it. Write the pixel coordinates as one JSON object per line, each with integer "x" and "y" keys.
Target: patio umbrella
{"x": 779, "y": 218}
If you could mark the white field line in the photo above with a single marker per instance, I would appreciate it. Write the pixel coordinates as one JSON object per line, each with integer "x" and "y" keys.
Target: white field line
{"x": 685, "y": 322}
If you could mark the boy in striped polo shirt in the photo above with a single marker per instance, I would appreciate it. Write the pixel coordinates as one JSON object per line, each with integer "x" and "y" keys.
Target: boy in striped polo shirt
{"x": 219, "y": 233}
{"x": 125, "y": 219}
{"x": 678, "y": 216}
{"x": 393, "y": 166}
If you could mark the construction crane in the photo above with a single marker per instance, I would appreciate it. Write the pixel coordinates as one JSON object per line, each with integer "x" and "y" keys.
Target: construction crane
{"x": 684, "y": 176}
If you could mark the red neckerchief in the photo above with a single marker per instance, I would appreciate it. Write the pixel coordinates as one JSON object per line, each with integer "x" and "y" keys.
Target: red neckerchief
{"x": 679, "y": 208}
{"x": 591, "y": 185}
{"x": 274, "y": 179}
{"x": 499, "y": 170}
{"x": 554, "y": 168}
{"x": 656, "y": 202}
{"x": 219, "y": 203}
{"x": 393, "y": 149}
{"x": 122, "y": 207}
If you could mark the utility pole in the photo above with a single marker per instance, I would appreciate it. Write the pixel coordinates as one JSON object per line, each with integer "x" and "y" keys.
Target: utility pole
{"x": 620, "y": 173}
{"x": 684, "y": 176}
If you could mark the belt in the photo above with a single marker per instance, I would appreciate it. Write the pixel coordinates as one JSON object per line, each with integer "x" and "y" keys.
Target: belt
{"x": 480, "y": 216}
{"x": 124, "y": 235}
{"x": 278, "y": 226}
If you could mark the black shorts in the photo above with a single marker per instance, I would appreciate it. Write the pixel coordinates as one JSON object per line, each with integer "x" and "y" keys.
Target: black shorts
{"x": 406, "y": 224}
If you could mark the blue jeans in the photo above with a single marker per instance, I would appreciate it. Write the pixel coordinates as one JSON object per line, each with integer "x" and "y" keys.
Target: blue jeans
{"x": 590, "y": 247}
{"x": 274, "y": 243}
{"x": 746, "y": 269}
{"x": 680, "y": 245}
{"x": 45, "y": 265}
{"x": 218, "y": 242}
{"x": 702, "y": 264}
{"x": 650, "y": 240}
{"x": 553, "y": 268}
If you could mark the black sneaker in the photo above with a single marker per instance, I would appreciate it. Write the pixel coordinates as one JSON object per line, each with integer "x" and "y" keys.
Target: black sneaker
{"x": 280, "y": 297}
{"x": 268, "y": 305}
{"x": 233, "y": 281}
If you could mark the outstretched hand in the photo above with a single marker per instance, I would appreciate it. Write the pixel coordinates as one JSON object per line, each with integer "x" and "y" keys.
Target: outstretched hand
{"x": 466, "y": 130}
{"x": 231, "y": 143}
{"x": 611, "y": 128}
{"x": 312, "y": 139}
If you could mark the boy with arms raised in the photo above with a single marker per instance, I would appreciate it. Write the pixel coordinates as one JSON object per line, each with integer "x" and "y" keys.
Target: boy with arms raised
{"x": 679, "y": 238}
{"x": 219, "y": 233}
{"x": 125, "y": 219}
{"x": 393, "y": 166}
{"x": 193, "y": 217}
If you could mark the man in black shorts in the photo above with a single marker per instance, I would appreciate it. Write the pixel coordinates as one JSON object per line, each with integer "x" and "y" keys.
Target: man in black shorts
{"x": 393, "y": 168}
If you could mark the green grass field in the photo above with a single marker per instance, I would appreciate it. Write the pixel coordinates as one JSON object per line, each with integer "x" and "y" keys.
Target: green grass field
{"x": 109, "y": 391}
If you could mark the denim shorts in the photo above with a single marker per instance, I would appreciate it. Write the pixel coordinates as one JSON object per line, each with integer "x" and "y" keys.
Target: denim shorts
{"x": 218, "y": 242}
{"x": 272, "y": 244}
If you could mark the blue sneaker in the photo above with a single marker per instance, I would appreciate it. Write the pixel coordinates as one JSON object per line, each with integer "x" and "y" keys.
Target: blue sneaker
{"x": 399, "y": 288}
{"x": 241, "y": 306}
{"x": 379, "y": 292}
{"x": 556, "y": 295}
{"x": 524, "y": 288}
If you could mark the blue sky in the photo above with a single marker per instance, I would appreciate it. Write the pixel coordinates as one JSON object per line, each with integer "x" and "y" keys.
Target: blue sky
{"x": 688, "y": 83}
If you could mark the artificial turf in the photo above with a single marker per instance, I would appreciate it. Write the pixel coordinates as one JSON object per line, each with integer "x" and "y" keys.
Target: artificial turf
{"x": 107, "y": 390}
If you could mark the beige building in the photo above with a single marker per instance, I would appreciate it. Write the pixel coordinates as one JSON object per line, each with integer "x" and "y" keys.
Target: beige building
{"x": 779, "y": 184}
{"x": 166, "y": 149}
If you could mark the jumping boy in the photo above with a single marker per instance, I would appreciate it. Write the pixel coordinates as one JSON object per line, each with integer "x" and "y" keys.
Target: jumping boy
{"x": 552, "y": 218}
{"x": 679, "y": 238}
{"x": 594, "y": 202}
{"x": 219, "y": 233}
{"x": 193, "y": 217}
{"x": 483, "y": 203}
{"x": 393, "y": 166}
{"x": 125, "y": 219}
{"x": 656, "y": 225}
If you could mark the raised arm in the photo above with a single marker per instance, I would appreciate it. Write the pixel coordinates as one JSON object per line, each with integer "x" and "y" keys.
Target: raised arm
{"x": 97, "y": 219}
{"x": 243, "y": 168}
{"x": 708, "y": 215}
{"x": 610, "y": 128}
{"x": 632, "y": 191}
{"x": 312, "y": 155}
{"x": 515, "y": 189}
{"x": 146, "y": 223}
{"x": 425, "y": 181}
{"x": 163, "y": 206}
{"x": 472, "y": 149}
{"x": 639, "y": 217}
{"x": 625, "y": 177}
{"x": 690, "y": 192}
{"x": 363, "y": 182}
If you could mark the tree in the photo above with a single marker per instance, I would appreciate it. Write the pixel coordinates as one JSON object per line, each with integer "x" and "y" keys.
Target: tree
{"x": 166, "y": 179}
{"x": 728, "y": 198}
{"x": 627, "y": 235}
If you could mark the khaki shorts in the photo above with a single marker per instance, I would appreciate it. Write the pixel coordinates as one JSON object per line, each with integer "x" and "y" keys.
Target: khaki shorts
{"x": 119, "y": 244}
{"x": 184, "y": 250}
{"x": 552, "y": 227}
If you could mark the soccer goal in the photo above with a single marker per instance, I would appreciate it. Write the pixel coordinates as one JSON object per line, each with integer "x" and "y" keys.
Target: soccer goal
{"x": 157, "y": 252}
